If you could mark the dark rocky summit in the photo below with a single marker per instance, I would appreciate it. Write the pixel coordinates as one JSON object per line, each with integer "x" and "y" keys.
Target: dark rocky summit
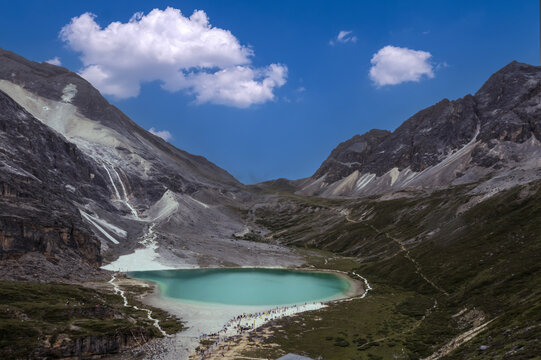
{"x": 480, "y": 135}
{"x": 350, "y": 154}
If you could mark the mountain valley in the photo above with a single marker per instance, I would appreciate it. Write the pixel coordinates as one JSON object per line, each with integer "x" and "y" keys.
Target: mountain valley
{"x": 440, "y": 217}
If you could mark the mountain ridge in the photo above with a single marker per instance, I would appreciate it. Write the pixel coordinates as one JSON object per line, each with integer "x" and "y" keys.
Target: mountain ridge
{"x": 447, "y": 131}
{"x": 150, "y": 197}
{"x": 443, "y": 222}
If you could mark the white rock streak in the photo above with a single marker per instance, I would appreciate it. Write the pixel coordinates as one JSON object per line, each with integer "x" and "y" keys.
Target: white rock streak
{"x": 97, "y": 226}
{"x": 200, "y": 203}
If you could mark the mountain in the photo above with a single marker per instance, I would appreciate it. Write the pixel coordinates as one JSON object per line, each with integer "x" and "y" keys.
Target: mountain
{"x": 491, "y": 135}
{"x": 442, "y": 216}
{"x": 124, "y": 188}
{"x": 38, "y": 218}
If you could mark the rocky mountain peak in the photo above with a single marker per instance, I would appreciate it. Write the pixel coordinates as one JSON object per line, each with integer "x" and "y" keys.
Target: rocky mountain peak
{"x": 116, "y": 189}
{"x": 453, "y": 141}
{"x": 509, "y": 87}
{"x": 351, "y": 153}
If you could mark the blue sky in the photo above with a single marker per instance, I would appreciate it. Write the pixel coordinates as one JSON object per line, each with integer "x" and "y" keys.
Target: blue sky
{"x": 290, "y": 123}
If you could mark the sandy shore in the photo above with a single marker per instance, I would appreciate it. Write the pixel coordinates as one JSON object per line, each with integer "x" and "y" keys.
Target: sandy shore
{"x": 217, "y": 319}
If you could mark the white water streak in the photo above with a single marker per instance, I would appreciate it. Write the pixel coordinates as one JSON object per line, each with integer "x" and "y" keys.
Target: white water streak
{"x": 112, "y": 182}
{"x": 367, "y": 285}
{"x": 126, "y": 304}
{"x": 125, "y": 193}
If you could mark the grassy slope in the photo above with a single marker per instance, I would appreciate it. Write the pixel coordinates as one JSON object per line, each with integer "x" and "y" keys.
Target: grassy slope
{"x": 485, "y": 260}
{"x": 31, "y": 312}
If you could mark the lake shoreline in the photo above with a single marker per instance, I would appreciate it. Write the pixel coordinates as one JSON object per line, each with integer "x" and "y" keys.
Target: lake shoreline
{"x": 207, "y": 318}
{"x": 356, "y": 286}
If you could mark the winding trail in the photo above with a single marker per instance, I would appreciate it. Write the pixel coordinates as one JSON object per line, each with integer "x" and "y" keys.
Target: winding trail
{"x": 415, "y": 326}
{"x": 119, "y": 291}
{"x": 453, "y": 343}
{"x": 408, "y": 256}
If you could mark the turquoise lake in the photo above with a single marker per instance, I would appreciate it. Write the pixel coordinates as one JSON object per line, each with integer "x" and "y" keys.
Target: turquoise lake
{"x": 246, "y": 286}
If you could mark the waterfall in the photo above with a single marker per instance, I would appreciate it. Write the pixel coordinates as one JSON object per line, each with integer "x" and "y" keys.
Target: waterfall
{"x": 124, "y": 197}
{"x": 125, "y": 193}
{"x": 112, "y": 182}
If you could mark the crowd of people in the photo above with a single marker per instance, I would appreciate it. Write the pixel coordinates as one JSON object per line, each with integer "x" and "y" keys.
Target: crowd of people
{"x": 246, "y": 323}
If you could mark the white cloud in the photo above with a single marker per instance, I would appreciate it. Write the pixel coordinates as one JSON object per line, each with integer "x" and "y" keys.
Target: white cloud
{"x": 164, "y": 134}
{"x": 183, "y": 53}
{"x": 393, "y": 65}
{"x": 54, "y": 61}
{"x": 241, "y": 85}
{"x": 344, "y": 36}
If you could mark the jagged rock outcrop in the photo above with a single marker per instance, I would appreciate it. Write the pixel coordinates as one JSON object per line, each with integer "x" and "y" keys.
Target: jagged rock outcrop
{"x": 494, "y": 133}
{"x": 36, "y": 210}
{"x": 354, "y": 152}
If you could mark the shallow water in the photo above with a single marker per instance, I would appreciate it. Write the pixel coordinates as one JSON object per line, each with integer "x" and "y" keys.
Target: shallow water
{"x": 246, "y": 286}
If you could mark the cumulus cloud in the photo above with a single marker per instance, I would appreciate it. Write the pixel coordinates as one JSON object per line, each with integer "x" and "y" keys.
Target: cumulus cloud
{"x": 54, "y": 61}
{"x": 164, "y": 134}
{"x": 393, "y": 65}
{"x": 241, "y": 85}
{"x": 182, "y": 53}
{"x": 344, "y": 36}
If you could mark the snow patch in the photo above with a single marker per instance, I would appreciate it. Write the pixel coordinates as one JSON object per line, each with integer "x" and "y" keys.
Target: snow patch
{"x": 112, "y": 182}
{"x": 70, "y": 188}
{"x": 145, "y": 259}
{"x": 125, "y": 199}
{"x": 118, "y": 231}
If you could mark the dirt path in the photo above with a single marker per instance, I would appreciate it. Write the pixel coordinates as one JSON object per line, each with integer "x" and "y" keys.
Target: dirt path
{"x": 410, "y": 258}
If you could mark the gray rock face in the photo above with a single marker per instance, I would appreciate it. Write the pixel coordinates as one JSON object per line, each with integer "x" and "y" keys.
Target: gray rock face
{"x": 438, "y": 146}
{"x": 36, "y": 211}
{"x": 351, "y": 154}
{"x": 111, "y": 180}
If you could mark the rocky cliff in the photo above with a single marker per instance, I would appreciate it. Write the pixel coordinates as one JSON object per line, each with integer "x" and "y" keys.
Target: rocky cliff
{"x": 137, "y": 194}
{"x": 37, "y": 214}
{"x": 492, "y": 134}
